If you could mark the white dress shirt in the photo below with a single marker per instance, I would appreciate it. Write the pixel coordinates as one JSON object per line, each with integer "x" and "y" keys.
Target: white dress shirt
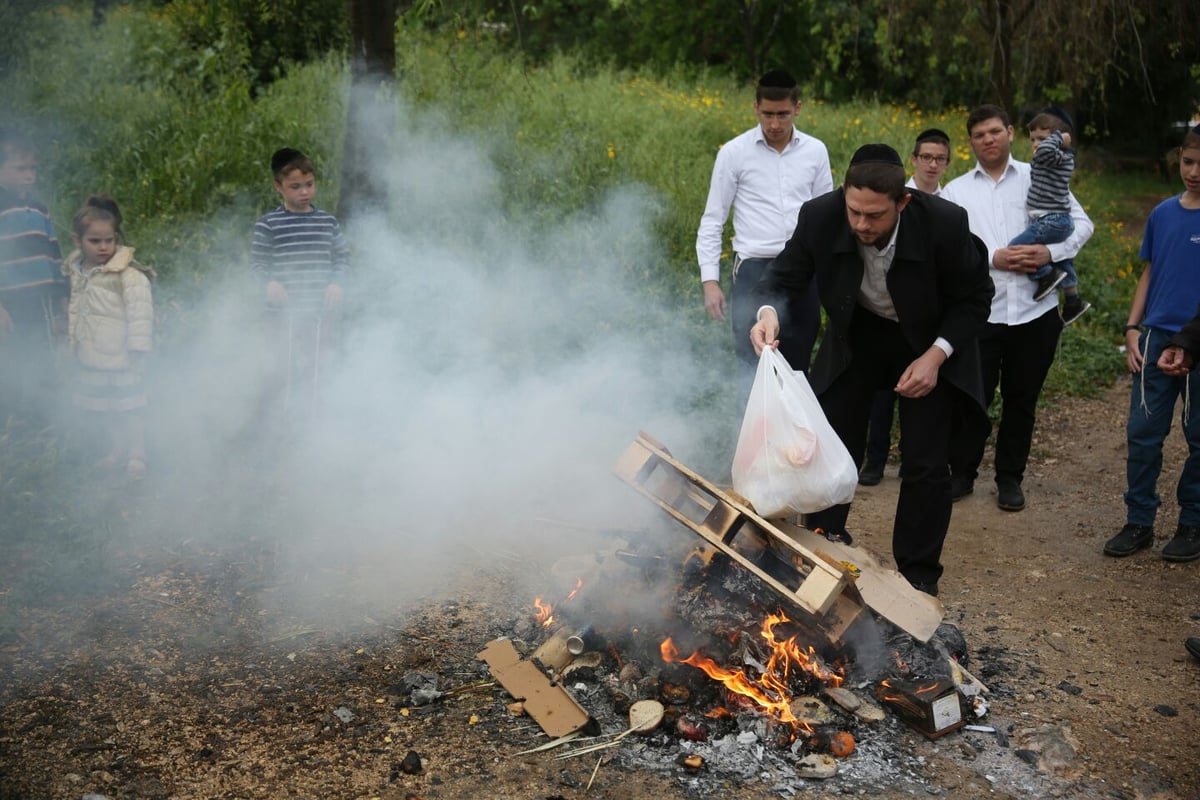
{"x": 873, "y": 293}
{"x": 765, "y": 189}
{"x": 912, "y": 184}
{"x": 996, "y": 212}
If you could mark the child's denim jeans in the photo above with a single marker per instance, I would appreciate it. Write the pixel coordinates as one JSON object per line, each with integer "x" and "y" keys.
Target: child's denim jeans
{"x": 1050, "y": 229}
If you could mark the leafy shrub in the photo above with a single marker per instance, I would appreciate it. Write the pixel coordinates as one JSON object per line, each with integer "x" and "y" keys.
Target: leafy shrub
{"x": 178, "y": 137}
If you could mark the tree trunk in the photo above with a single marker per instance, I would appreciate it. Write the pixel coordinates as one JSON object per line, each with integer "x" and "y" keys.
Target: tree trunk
{"x": 370, "y": 113}
{"x": 998, "y": 24}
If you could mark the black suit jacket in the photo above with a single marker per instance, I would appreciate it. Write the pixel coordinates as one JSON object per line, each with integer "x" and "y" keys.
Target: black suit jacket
{"x": 938, "y": 282}
{"x": 1189, "y": 337}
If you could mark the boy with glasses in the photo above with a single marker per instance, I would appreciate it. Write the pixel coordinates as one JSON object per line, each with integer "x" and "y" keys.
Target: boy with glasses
{"x": 930, "y": 158}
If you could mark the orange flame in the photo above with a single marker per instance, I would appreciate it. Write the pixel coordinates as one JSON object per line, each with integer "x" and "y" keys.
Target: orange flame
{"x": 544, "y": 612}
{"x": 769, "y": 690}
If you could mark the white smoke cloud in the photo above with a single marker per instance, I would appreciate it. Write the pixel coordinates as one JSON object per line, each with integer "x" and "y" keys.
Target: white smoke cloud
{"x": 490, "y": 374}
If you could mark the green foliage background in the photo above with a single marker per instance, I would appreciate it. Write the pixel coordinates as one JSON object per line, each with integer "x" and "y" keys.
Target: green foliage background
{"x": 178, "y": 124}
{"x": 181, "y": 137}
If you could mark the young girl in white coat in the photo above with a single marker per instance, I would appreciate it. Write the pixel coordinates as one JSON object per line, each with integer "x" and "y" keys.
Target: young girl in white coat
{"x": 111, "y": 324}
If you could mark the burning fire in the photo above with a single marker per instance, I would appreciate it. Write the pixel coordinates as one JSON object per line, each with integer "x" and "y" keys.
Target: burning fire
{"x": 770, "y": 690}
{"x": 544, "y": 612}
{"x": 891, "y": 694}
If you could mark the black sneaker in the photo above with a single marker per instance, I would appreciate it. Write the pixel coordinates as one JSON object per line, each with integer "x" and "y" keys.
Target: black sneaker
{"x": 1185, "y": 546}
{"x": 870, "y": 474}
{"x": 1009, "y": 496}
{"x": 1073, "y": 308}
{"x": 1049, "y": 283}
{"x": 960, "y": 487}
{"x": 1131, "y": 539}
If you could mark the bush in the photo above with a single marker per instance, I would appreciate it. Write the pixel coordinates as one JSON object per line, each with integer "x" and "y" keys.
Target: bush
{"x": 179, "y": 138}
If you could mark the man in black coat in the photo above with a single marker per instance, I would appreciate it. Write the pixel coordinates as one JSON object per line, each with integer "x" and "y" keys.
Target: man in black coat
{"x": 1178, "y": 359}
{"x": 906, "y": 290}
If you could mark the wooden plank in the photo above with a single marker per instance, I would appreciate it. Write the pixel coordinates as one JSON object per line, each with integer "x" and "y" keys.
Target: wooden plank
{"x": 731, "y": 526}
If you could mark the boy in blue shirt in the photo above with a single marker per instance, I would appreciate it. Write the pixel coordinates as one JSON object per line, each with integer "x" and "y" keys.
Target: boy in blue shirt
{"x": 1165, "y": 300}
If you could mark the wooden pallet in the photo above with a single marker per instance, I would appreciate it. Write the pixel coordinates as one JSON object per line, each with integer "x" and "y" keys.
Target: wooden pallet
{"x": 820, "y": 586}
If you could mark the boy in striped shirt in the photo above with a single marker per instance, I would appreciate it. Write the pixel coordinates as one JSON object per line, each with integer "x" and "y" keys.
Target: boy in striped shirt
{"x": 1048, "y": 206}
{"x": 33, "y": 291}
{"x": 299, "y": 256}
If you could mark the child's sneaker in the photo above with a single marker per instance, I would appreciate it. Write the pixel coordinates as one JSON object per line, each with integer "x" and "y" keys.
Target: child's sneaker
{"x": 1049, "y": 283}
{"x": 1073, "y": 308}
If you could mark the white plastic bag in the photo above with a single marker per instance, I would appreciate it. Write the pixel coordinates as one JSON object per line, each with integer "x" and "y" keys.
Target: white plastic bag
{"x": 788, "y": 459}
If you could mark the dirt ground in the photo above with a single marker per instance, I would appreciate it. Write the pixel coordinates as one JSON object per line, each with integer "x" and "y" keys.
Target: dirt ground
{"x": 174, "y": 685}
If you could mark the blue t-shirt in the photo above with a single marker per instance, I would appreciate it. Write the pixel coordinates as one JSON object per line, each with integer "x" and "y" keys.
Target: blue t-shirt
{"x": 1172, "y": 246}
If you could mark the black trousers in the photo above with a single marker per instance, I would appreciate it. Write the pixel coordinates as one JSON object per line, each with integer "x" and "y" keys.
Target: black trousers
{"x": 800, "y": 319}
{"x": 1016, "y": 358}
{"x": 879, "y": 441}
{"x": 881, "y": 354}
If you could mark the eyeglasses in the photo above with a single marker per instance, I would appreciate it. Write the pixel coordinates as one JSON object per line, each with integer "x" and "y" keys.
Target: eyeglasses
{"x": 928, "y": 158}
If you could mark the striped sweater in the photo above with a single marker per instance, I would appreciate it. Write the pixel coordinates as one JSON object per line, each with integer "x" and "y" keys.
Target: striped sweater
{"x": 303, "y": 251}
{"x": 1050, "y": 178}
{"x": 29, "y": 254}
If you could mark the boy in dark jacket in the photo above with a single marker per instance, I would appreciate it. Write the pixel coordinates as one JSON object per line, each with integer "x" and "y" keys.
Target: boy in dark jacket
{"x": 1178, "y": 359}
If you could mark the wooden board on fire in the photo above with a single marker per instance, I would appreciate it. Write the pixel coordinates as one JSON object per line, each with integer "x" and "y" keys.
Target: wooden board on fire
{"x": 832, "y": 582}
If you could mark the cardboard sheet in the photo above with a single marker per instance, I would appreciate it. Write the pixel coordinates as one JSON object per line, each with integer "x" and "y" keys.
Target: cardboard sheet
{"x": 548, "y": 703}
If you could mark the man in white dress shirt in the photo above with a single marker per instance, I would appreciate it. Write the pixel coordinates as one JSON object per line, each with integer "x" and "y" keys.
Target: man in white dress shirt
{"x": 1018, "y": 344}
{"x": 766, "y": 174}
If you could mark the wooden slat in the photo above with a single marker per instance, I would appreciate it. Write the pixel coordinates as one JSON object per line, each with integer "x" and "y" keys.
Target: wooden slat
{"x": 723, "y": 521}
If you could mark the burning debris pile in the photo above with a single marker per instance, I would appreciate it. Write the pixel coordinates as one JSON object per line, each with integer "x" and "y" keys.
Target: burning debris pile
{"x": 722, "y": 661}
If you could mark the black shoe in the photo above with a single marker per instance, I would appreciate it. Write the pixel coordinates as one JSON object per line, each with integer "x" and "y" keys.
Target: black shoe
{"x": 1185, "y": 546}
{"x": 1131, "y": 539}
{"x": 930, "y": 589}
{"x": 870, "y": 474}
{"x": 841, "y": 537}
{"x": 1049, "y": 283}
{"x": 960, "y": 487}
{"x": 1192, "y": 643}
{"x": 1073, "y": 308}
{"x": 1010, "y": 497}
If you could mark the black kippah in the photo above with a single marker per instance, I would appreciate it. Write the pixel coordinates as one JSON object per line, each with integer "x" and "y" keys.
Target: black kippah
{"x": 876, "y": 154}
{"x": 284, "y": 156}
{"x": 777, "y": 79}
{"x": 932, "y": 133}
{"x": 1055, "y": 111}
